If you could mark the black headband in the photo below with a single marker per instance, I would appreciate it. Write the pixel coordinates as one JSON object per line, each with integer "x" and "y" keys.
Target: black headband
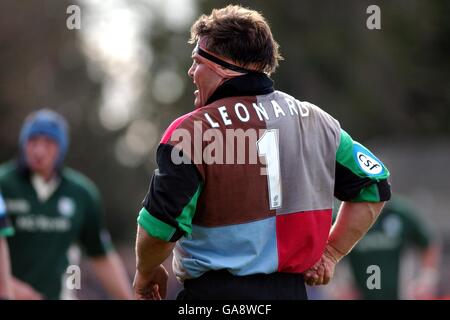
{"x": 220, "y": 62}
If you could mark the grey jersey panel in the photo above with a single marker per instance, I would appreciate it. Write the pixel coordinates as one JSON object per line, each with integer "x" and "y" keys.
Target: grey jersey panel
{"x": 308, "y": 140}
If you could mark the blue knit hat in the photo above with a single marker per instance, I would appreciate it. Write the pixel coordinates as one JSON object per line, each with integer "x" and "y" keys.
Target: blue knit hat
{"x": 50, "y": 124}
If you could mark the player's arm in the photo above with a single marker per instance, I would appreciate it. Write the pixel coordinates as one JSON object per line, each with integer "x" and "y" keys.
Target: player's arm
{"x": 24, "y": 291}
{"x": 97, "y": 244}
{"x": 353, "y": 221}
{"x": 424, "y": 285}
{"x": 5, "y": 271}
{"x": 111, "y": 272}
{"x": 430, "y": 250}
{"x": 151, "y": 277}
{"x": 430, "y": 257}
{"x": 166, "y": 216}
{"x": 361, "y": 183}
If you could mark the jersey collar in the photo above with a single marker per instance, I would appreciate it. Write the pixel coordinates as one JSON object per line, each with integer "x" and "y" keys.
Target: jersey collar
{"x": 250, "y": 84}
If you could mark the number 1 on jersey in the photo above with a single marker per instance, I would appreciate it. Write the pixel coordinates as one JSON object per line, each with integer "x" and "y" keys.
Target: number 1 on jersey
{"x": 268, "y": 148}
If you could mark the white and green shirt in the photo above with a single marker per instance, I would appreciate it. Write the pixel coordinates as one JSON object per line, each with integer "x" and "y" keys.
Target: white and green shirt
{"x": 47, "y": 220}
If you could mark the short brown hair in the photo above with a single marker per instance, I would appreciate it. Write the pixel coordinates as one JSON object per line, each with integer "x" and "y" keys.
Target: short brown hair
{"x": 240, "y": 34}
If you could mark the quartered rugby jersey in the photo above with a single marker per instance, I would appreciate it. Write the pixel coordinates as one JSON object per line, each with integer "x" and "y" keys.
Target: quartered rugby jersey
{"x": 246, "y": 183}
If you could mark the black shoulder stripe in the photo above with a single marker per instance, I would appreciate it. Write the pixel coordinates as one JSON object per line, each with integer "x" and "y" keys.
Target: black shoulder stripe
{"x": 171, "y": 188}
{"x": 347, "y": 184}
{"x": 384, "y": 190}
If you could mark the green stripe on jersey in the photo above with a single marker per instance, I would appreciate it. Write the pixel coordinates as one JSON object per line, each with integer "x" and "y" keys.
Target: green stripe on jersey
{"x": 7, "y": 232}
{"x": 161, "y": 230}
{"x": 368, "y": 194}
{"x": 185, "y": 218}
{"x": 155, "y": 227}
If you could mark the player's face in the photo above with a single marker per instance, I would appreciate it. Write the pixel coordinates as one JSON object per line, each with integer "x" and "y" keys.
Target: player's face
{"x": 41, "y": 155}
{"x": 204, "y": 79}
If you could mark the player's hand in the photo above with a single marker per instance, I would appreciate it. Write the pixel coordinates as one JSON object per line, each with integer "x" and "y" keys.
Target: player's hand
{"x": 151, "y": 286}
{"x": 322, "y": 272}
{"x": 23, "y": 291}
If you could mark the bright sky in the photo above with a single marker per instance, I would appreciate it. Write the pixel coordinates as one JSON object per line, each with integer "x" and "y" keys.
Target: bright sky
{"x": 113, "y": 38}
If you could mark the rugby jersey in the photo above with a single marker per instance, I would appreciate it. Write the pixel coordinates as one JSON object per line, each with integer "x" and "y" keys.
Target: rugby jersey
{"x": 246, "y": 183}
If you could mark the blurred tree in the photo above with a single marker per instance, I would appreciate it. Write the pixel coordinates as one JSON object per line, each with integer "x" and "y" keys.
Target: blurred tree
{"x": 42, "y": 66}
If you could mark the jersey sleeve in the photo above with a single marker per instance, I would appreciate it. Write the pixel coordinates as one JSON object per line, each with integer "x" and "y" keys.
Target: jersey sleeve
{"x": 171, "y": 201}
{"x": 6, "y": 229}
{"x": 94, "y": 237}
{"x": 360, "y": 175}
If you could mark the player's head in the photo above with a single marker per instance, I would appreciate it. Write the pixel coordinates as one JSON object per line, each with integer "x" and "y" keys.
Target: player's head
{"x": 239, "y": 35}
{"x": 230, "y": 42}
{"x": 44, "y": 141}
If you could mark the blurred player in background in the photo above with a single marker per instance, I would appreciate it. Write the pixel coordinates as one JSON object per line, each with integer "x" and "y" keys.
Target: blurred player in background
{"x": 397, "y": 230}
{"x": 52, "y": 207}
{"x": 5, "y": 269}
